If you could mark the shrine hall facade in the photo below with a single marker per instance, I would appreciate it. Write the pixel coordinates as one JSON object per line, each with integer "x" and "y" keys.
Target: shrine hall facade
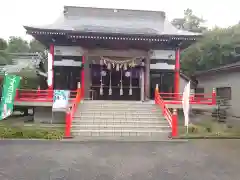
{"x": 115, "y": 54}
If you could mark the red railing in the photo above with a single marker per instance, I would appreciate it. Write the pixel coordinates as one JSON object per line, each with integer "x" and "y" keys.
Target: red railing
{"x": 71, "y": 111}
{"x": 197, "y": 98}
{"x": 171, "y": 117}
{"x": 38, "y": 95}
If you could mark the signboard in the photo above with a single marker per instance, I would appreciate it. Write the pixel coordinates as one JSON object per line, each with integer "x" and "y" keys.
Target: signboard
{"x": 10, "y": 85}
{"x": 60, "y": 99}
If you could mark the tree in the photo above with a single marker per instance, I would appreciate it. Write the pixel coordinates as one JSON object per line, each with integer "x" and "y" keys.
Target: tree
{"x": 36, "y": 46}
{"x": 3, "y": 44}
{"x": 4, "y": 57}
{"x": 190, "y": 22}
{"x": 218, "y": 46}
{"x": 17, "y": 45}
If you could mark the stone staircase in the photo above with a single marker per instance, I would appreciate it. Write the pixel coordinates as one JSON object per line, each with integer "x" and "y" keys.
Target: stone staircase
{"x": 119, "y": 120}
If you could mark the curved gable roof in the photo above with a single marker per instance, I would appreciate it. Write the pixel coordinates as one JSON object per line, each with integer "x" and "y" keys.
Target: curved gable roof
{"x": 123, "y": 21}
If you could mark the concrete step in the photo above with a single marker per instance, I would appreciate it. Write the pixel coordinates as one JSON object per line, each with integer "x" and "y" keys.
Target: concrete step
{"x": 118, "y": 127}
{"x": 128, "y": 132}
{"x": 114, "y": 102}
{"x": 125, "y": 121}
{"x": 117, "y": 117}
{"x": 119, "y": 111}
{"x": 118, "y": 106}
{"x": 161, "y": 137}
{"x": 110, "y": 113}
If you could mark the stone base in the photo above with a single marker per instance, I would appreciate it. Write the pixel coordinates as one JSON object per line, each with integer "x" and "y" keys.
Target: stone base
{"x": 45, "y": 115}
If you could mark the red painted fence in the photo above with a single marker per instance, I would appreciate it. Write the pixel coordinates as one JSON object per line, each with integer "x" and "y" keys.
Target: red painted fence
{"x": 171, "y": 117}
{"x": 197, "y": 98}
{"x": 70, "y": 113}
{"x": 24, "y": 95}
{"x": 37, "y": 95}
{"x": 161, "y": 99}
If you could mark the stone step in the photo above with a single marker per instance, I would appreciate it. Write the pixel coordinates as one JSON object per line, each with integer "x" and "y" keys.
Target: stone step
{"x": 160, "y": 137}
{"x": 119, "y": 127}
{"x": 104, "y": 113}
{"x": 115, "y": 122}
{"x": 119, "y": 133}
{"x": 118, "y": 110}
{"x": 118, "y": 105}
{"x": 114, "y": 102}
{"x": 108, "y": 117}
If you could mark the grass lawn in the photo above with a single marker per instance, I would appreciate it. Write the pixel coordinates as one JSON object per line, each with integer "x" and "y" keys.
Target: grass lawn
{"x": 15, "y": 127}
{"x": 207, "y": 128}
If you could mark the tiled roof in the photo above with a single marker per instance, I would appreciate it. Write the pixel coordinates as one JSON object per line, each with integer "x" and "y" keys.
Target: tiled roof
{"x": 220, "y": 69}
{"x": 85, "y": 19}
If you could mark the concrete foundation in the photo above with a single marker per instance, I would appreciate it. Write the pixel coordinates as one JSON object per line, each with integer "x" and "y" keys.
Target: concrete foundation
{"x": 45, "y": 115}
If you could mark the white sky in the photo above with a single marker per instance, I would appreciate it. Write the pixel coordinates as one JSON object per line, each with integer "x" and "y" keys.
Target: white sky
{"x": 16, "y": 13}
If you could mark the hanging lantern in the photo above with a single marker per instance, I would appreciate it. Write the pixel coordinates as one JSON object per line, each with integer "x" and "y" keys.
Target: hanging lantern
{"x": 125, "y": 66}
{"x": 117, "y": 67}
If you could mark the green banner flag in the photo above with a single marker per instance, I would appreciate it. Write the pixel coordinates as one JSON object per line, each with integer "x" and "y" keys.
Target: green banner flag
{"x": 10, "y": 85}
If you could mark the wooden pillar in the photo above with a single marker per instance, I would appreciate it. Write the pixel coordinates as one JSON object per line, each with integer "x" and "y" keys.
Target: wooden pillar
{"x": 177, "y": 74}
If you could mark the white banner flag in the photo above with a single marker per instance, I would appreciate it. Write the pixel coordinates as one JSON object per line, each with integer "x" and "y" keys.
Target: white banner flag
{"x": 186, "y": 104}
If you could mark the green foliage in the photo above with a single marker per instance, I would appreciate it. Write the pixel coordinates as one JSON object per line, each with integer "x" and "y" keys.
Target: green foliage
{"x": 217, "y": 47}
{"x": 5, "y": 58}
{"x": 3, "y": 44}
{"x": 36, "y": 46}
{"x": 30, "y": 133}
{"x": 17, "y": 45}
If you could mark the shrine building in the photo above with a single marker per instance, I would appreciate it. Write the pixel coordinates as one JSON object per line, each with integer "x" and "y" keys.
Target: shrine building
{"x": 116, "y": 54}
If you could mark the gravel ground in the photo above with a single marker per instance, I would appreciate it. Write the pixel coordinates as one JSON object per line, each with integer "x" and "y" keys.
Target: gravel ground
{"x": 48, "y": 160}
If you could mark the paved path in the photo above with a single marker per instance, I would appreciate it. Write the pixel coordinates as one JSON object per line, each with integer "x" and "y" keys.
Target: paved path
{"x": 194, "y": 160}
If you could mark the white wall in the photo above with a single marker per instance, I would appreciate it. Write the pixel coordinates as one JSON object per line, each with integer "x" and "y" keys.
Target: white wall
{"x": 221, "y": 79}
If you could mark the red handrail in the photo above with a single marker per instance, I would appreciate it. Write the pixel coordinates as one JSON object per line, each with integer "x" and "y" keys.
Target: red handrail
{"x": 171, "y": 118}
{"x": 196, "y": 98}
{"x": 70, "y": 113}
{"x": 38, "y": 95}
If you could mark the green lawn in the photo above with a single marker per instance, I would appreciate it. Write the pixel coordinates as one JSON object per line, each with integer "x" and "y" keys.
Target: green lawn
{"x": 207, "y": 128}
{"x": 15, "y": 127}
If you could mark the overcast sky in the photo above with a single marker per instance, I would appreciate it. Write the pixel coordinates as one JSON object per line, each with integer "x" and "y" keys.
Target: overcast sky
{"x": 16, "y": 13}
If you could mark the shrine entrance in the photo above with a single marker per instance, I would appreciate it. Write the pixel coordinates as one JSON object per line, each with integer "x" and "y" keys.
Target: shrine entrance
{"x": 115, "y": 80}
